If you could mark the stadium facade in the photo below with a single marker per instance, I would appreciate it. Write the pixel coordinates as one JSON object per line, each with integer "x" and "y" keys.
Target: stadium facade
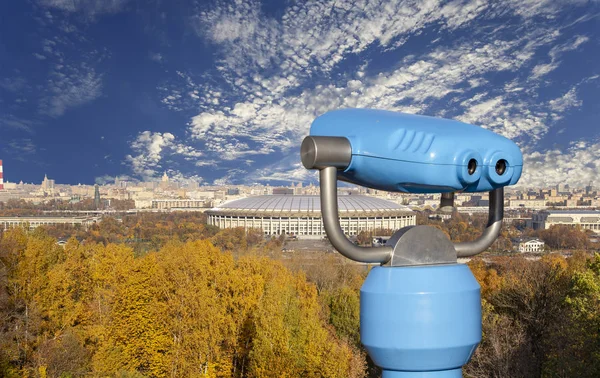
{"x": 586, "y": 219}
{"x": 300, "y": 215}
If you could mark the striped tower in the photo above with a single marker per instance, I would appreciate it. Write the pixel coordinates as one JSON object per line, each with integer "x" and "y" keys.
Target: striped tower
{"x": 1, "y": 177}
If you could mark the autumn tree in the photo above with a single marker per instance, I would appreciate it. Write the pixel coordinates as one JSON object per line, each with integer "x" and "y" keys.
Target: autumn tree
{"x": 565, "y": 237}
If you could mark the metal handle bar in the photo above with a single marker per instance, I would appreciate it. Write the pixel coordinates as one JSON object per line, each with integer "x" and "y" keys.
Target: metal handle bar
{"x": 492, "y": 230}
{"x": 329, "y": 209}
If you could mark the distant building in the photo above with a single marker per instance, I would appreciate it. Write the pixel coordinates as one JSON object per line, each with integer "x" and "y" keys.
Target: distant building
{"x": 143, "y": 203}
{"x": 589, "y": 190}
{"x": 285, "y": 191}
{"x": 586, "y": 219}
{"x": 168, "y": 204}
{"x": 440, "y": 216}
{"x": 562, "y": 188}
{"x": 97, "y": 200}
{"x": 164, "y": 182}
{"x": 529, "y": 204}
{"x": 34, "y": 222}
{"x": 301, "y": 215}
{"x": 473, "y": 210}
{"x": 120, "y": 184}
{"x": 47, "y": 184}
{"x": 531, "y": 245}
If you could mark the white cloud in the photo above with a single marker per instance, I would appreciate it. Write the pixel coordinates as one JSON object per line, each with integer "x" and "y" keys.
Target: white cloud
{"x": 277, "y": 75}
{"x": 108, "y": 179}
{"x": 232, "y": 176}
{"x": 277, "y": 123}
{"x": 14, "y": 84}
{"x": 21, "y": 149}
{"x": 287, "y": 170}
{"x": 177, "y": 176}
{"x": 513, "y": 116}
{"x": 564, "y": 103}
{"x": 71, "y": 76}
{"x": 87, "y": 7}
{"x": 555, "y": 53}
{"x": 152, "y": 147}
{"x": 573, "y": 44}
{"x": 534, "y": 8}
{"x": 104, "y": 179}
{"x": 544, "y": 69}
{"x": 577, "y": 165}
{"x": 460, "y": 12}
{"x": 157, "y": 57}
{"x": 17, "y": 123}
{"x": 23, "y": 146}
{"x": 206, "y": 163}
{"x": 315, "y": 36}
{"x": 70, "y": 86}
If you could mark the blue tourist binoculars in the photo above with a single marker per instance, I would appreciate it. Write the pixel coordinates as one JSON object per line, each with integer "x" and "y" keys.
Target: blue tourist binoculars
{"x": 420, "y": 310}
{"x": 411, "y": 153}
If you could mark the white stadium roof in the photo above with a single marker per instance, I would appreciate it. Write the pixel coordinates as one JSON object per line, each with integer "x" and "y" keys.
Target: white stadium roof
{"x": 276, "y": 204}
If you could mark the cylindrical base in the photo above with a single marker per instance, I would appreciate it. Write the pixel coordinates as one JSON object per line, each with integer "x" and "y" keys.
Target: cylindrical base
{"x": 454, "y": 373}
{"x": 420, "y": 321}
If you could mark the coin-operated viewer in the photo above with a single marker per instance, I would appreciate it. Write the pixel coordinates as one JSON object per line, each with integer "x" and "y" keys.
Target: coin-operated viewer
{"x": 420, "y": 311}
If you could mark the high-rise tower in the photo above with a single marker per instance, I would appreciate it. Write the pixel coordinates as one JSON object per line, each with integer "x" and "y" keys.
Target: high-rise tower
{"x": 1, "y": 177}
{"x": 97, "y": 196}
{"x": 589, "y": 190}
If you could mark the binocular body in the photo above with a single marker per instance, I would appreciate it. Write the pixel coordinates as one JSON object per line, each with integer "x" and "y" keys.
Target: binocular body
{"x": 418, "y": 154}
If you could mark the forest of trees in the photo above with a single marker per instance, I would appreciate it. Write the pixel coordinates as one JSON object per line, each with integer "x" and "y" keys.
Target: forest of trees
{"x": 203, "y": 302}
{"x": 186, "y": 310}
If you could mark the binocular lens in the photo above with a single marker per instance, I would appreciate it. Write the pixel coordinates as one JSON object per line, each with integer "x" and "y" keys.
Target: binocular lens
{"x": 501, "y": 167}
{"x": 472, "y": 166}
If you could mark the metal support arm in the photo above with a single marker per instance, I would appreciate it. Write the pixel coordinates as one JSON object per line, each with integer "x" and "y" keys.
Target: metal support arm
{"x": 328, "y": 154}
{"x": 329, "y": 209}
{"x": 492, "y": 230}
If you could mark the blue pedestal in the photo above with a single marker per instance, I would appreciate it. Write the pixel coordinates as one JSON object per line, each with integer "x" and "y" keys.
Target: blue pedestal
{"x": 420, "y": 322}
{"x": 454, "y": 373}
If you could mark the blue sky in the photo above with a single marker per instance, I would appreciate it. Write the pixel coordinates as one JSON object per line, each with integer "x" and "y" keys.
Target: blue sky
{"x": 224, "y": 91}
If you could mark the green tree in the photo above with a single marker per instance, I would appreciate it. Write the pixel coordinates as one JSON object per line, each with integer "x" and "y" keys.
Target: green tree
{"x": 344, "y": 313}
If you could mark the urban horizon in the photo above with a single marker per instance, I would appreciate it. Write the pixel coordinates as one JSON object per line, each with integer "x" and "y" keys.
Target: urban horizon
{"x": 104, "y": 181}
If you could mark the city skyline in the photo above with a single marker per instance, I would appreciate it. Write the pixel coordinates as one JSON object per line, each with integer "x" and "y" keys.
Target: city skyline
{"x": 118, "y": 181}
{"x": 222, "y": 92}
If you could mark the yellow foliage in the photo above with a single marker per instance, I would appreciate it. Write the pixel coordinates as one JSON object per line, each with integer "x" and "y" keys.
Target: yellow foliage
{"x": 556, "y": 261}
{"x": 42, "y": 371}
{"x": 489, "y": 279}
{"x": 188, "y": 310}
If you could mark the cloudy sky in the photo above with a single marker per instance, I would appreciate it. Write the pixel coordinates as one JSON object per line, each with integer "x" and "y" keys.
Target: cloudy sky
{"x": 224, "y": 91}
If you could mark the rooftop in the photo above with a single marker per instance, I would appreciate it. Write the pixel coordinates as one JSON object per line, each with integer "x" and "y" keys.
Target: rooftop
{"x": 309, "y": 204}
{"x": 579, "y": 212}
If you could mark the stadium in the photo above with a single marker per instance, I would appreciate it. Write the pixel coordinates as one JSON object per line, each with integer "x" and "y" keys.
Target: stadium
{"x": 300, "y": 215}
